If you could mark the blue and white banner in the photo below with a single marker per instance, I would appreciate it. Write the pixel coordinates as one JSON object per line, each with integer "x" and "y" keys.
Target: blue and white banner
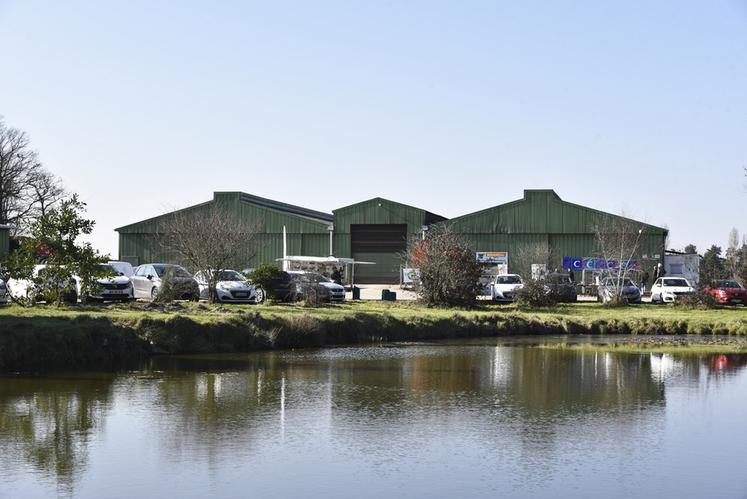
{"x": 586, "y": 263}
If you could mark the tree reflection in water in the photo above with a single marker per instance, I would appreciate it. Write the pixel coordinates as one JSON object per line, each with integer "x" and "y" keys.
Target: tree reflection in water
{"x": 517, "y": 404}
{"x": 48, "y": 422}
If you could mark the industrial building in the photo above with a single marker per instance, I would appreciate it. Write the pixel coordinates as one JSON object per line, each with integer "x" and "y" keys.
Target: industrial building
{"x": 377, "y": 230}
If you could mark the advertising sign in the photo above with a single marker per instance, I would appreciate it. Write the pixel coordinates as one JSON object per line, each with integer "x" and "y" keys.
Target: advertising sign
{"x": 585, "y": 263}
{"x": 493, "y": 257}
{"x": 410, "y": 276}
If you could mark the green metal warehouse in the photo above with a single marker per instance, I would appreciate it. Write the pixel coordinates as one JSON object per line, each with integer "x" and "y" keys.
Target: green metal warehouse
{"x": 377, "y": 230}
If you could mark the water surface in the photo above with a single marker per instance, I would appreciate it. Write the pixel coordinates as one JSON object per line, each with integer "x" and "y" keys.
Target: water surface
{"x": 485, "y": 418}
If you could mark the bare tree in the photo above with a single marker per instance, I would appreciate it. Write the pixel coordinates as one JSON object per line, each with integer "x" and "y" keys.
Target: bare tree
{"x": 27, "y": 189}
{"x": 528, "y": 254}
{"x": 208, "y": 240}
{"x": 618, "y": 242}
{"x": 732, "y": 253}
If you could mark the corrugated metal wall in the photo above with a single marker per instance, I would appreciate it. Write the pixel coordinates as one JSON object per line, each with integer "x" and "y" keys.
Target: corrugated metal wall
{"x": 4, "y": 240}
{"x": 543, "y": 218}
{"x": 376, "y": 211}
{"x": 138, "y": 245}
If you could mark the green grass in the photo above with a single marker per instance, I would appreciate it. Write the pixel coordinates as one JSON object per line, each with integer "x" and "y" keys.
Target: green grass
{"x": 583, "y": 312}
{"x": 693, "y": 347}
{"x": 33, "y": 335}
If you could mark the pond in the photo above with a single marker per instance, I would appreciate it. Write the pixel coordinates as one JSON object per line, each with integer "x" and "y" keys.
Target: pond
{"x": 483, "y": 418}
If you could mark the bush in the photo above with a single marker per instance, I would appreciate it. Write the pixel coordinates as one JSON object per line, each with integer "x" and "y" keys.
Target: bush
{"x": 449, "y": 271}
{"x": 313, "y": 296}
{"x": 701, "y": 300}
{"x": 171, "y": 289}
{"x": 536, "y": 294}
{"x": 264, "y": 275}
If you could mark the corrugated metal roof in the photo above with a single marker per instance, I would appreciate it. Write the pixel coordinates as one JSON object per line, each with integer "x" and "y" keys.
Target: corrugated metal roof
{"x": 318, "y": 216}
{"x": 429, "y": 215}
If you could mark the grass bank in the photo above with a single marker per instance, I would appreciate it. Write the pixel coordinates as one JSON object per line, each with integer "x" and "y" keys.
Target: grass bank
{"x": 83, "y": 335}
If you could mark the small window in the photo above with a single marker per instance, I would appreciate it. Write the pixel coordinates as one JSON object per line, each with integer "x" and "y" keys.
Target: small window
{"x": 675, "y": 268}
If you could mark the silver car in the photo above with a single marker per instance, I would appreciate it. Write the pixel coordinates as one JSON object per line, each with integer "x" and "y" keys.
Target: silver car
{"x": 231, "y": 287}
{"x": 148, "y": 281}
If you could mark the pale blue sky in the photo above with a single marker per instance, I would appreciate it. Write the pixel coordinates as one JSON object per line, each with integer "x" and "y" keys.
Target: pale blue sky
{"x": 451, "y": 106}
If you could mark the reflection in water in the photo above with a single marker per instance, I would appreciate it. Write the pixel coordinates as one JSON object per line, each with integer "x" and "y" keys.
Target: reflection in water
{"x": 530, "y": 415}
{"x": 47, "y": 423}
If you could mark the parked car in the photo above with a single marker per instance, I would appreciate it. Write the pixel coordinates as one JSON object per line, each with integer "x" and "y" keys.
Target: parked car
{"x": 29, "y": 289}
{"x": 4, "y": 296}
{"x": 562, "y": 285}
{"x": 149, "y": 279}
{"x": 668, "y": 289}
{"x": 123, "y": 268}
{"x": 327, "y": 289}
{"x": 282, "y": 287}
{"x": 231, "y": 287}
{"x": 728, "y": 291}
{"x": 114, "y": 286}
{"x": 610, "y": 287}
{"x": 504, "y": 287}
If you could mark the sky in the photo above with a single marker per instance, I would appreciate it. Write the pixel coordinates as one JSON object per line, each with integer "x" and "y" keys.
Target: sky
{"x": 143, "y": 106}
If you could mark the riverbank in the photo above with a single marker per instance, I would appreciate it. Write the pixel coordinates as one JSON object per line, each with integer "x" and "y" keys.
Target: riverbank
{"x": 111, "y": 334}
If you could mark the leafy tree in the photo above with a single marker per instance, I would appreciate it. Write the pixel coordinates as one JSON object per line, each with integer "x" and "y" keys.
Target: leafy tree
{"x": 55, "y": 239}
{"x": 449, "y": 271}
{"x": 690, "y": 249}
{"x": 712, "y": 266}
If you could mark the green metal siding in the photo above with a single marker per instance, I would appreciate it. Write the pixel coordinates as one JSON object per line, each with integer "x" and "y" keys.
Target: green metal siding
{"x": 4, "y": 240}
{"x": 542, "y": 217}
{"x": 305, "y": 236}
{"x": 377, "y": 211}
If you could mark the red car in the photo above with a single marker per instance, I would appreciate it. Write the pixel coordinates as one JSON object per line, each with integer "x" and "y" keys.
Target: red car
{"x": 728, "y": 291}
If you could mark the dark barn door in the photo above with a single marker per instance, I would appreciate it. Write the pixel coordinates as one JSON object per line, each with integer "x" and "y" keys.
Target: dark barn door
{"x": 380, "y": 243}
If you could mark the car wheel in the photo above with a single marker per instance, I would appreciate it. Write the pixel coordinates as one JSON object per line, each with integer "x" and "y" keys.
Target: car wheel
{"x": 259, "y": 295}
{"x": 153, "y": 294}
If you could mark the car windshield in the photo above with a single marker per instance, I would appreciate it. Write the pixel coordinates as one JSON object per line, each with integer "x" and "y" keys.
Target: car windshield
{"x": 625, "y": 282}
{"x": 508, "y": 279}
{"x": 230, "y": 275}
{"x": 559, "y": 279}
{"x": 675, "y": 283}
{"x": 314, "y": 277}
{"x": 105, "y": 268}
{"x": 175, "y": 270}
{"x": 728, "y": 284}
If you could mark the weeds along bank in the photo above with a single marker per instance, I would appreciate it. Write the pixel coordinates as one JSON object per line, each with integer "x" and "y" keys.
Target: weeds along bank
{"x": 114, "y": 335}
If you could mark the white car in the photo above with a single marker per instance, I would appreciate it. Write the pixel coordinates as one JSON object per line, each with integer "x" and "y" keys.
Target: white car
{"x": 28, "y": 289}
{"x": 504, "y": 287}
{"x": 668, "y": 289}
{"x": 232, "y": 287}
{"x": 116, "y": 287}
{"x": 123, "y": 268}
{"x": 332, "y": 290}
